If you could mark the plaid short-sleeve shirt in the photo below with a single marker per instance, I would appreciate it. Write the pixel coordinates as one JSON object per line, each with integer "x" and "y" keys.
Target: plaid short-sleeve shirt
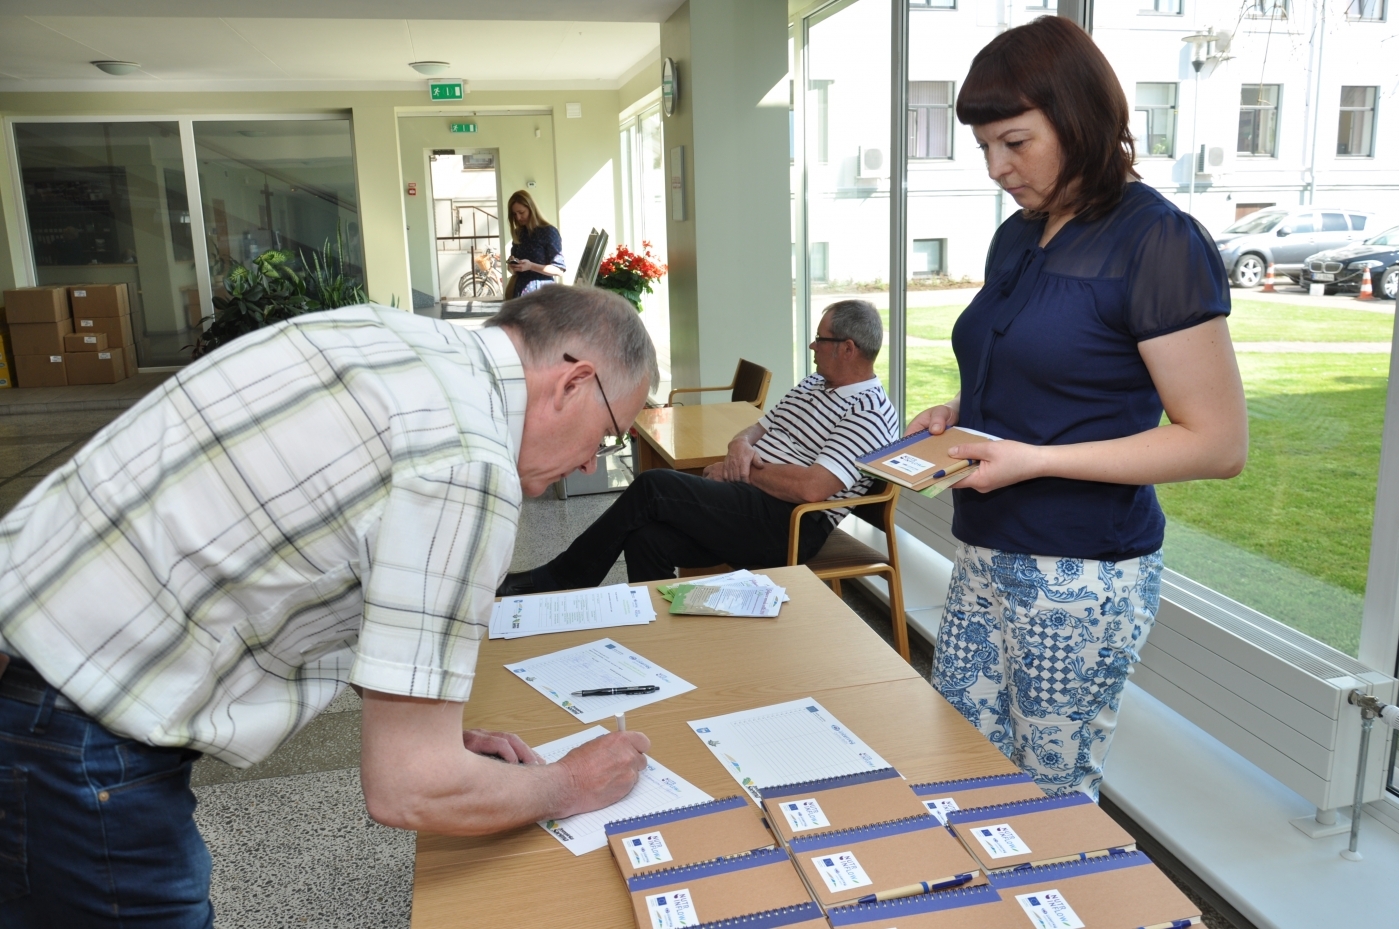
{"x": 331, "y": 500}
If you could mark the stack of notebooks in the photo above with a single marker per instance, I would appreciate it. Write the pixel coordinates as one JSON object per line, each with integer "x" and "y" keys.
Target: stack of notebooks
{"x": 1038, "y": 832}
{"x": 945, "y": 797}
{"x": 921, "y": 461}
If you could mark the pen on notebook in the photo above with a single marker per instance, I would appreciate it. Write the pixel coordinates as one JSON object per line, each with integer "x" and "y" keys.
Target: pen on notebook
{"x": 922, "y": 887}
{"x": 616, "y": 691}
{"x": 1081, "y": 856}
{"x": 1176, "y": 923}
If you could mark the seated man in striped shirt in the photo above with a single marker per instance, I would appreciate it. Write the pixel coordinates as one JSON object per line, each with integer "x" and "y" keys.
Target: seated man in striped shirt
{"x": 801, "y": 451}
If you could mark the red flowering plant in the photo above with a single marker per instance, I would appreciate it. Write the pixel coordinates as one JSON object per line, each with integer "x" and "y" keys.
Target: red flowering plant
{"x": 630, "y": 273}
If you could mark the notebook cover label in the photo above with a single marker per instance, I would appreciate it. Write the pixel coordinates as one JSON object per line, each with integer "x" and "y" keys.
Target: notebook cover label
{"x": 646, "y": 850}
{"x": 673, "y": 910}
{"x": 1000, "y": 841}
{"x": 841, "y": 871}
{"x": 1048, "y": 909}
{"x": 940, "y": 807}
{"x": 804, "y": 814}
{"x": 908, "y": 464}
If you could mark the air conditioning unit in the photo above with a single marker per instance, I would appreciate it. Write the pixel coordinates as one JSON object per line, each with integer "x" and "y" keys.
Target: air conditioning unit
{"x": 874, "y": 162}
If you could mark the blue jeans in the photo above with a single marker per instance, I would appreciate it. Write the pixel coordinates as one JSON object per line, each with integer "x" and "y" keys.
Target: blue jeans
{"x": 96, "y": 830}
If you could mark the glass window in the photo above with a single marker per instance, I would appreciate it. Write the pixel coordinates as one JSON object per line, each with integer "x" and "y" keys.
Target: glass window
{"x": 930, "y": 119}
{"x": 928, "y": 258}
{"x": 1042, "y": 5}
{"x": 107, "y": 203}
{"x": 1173, "y": 7}
{"x": 1300, "y": 223}
{"x": 281, "y": 184}
{"x": 932, "y": 4}
{"x": 820, "y": 263}
{"x": 1334, "y": 222}
{"x": 1278, "y": 8}
{"x": 1357, "y": 221}
{"x": 644, "y": 187}
{"x": 1366, "y": 10}
{"x": 1154, "y": 120}
{"x": 1257, "y": 222}
{"x": 1356, "y": 129}
{"x": 1258, "y": 119}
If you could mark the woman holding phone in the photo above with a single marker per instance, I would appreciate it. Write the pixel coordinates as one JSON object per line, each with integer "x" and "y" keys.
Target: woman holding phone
{"x": 536, "y": 250}
{"x": 1104, "y": 305}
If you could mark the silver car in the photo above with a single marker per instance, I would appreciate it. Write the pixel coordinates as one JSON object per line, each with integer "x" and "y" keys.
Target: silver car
{"x": 1285, "y": 237}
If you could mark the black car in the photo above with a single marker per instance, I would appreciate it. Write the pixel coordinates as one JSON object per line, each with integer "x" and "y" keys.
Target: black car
{"x": 1344, "y": 268}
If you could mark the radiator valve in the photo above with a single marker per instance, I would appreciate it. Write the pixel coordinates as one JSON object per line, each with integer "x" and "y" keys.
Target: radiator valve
{"x": 1372, "y": 708}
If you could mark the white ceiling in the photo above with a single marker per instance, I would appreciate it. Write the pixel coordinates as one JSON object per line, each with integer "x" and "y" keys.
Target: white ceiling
{"x": 41, "y": 51}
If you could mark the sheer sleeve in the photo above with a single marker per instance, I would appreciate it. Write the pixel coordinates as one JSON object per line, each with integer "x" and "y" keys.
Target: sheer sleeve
{"x": 1176, "y": 279}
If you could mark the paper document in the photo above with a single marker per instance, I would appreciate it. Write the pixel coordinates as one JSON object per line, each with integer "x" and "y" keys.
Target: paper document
{"x": 658, "y": 788}
{"x": 787, "y": 743}
{"x": 704, "y": 599}
{"x": 740, "y": 578}
{"x": 599, "y": 664}
{"x": 570, "y": 611}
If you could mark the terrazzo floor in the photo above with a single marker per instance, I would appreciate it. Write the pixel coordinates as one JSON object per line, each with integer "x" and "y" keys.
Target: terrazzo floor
{"x": 291, "y": 842}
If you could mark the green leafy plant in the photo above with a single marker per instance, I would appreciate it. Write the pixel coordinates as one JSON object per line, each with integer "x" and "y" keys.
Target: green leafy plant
{"x": 273, "y": 289}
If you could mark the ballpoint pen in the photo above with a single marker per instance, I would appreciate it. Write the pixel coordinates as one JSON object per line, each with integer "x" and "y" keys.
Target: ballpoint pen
{"x": 1177, "y": 923}
{"x": 616, "y": 691}
{"x": 922, "y": 887}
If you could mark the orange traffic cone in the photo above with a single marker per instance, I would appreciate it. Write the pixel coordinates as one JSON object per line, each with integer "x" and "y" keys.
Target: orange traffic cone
{"x": 1268, "y": 287}
{"x": 1367, "y": 292}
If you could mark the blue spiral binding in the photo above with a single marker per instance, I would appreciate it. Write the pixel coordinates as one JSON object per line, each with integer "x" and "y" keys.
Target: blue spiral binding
{"x": 863, "y": 833}
{"x": 828, "y": 783}
{"x": 667, "y": 876}
{"x": 887, "y": 910}
{"x": 670, "y": 816}
{"x": 768, "y": 919}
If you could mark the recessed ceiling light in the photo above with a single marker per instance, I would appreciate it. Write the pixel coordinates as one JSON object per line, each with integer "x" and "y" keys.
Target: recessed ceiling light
{"x": 430, "y": 68}
{"x": 117, "y": 67}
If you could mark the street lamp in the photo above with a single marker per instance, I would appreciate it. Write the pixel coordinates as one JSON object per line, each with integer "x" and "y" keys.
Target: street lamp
{"x": 1199, "y": 52}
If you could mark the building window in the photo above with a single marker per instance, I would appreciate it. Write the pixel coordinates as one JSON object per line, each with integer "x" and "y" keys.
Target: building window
{"x": 821, "y": 91}
{"x": 1258, "y": 119}
{"x": 929, "y": 119}
{"x": 932, "y": 4}
{"x": 1356, "y": 132}
{"x": 1154, "y": 120}
{"x": 818, "y": 266}
{"x": 1370, "y": 11}
{"x": 1042, "y": 5}
{"x": 1268, "y": 8}
{"x": 1168, "y": 7}
{"x": 929, "y": 258}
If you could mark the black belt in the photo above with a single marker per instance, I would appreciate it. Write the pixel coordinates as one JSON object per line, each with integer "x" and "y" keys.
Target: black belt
{"x": 21, "y": 682}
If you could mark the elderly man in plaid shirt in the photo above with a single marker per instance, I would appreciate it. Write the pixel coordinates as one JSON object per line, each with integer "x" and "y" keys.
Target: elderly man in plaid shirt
{"x": 327, "y": 502}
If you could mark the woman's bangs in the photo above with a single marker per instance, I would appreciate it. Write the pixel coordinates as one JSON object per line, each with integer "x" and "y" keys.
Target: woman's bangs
{"x": 990, "y": 94}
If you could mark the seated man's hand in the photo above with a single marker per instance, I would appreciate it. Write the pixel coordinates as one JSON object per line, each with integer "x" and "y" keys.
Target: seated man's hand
{"x": 714, "y": 472}
{"x": 739, "y": 460}
{"x": 506, "y": 746}
{"x": 603, "y": 771}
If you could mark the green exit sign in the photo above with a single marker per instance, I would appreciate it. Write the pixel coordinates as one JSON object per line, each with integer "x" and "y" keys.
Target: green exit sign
{"x": 445, "y": 90}
{"x": 463, "y": 127}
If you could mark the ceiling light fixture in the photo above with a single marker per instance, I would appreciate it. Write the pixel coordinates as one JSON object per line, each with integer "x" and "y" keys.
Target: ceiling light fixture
{"x": 430, "y": 68}
{"x": 117, "y": 67}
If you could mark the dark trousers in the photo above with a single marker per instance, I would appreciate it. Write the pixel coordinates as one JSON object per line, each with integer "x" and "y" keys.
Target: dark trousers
{"x": 667, "y": 520}
{"x": 96, "y": 830}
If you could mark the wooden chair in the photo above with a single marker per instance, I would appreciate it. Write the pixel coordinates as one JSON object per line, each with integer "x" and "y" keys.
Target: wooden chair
{"x": 750, "y": 385}
{"x": 845, "y": 556}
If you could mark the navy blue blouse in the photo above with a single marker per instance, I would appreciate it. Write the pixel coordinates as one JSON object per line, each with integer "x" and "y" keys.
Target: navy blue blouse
{"x": 543, "y": 246}
{"x": 1048, "y": 356}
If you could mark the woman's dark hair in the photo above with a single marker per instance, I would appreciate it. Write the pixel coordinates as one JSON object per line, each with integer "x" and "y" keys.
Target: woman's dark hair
{"x": 1051, "y": 65}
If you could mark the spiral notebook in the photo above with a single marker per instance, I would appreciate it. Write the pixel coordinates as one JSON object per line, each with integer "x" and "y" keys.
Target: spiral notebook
{"x": 843, "y": 802}
{"x": 725, "y": 888}
{"x": 963, "y": 908}
{"x": 1035, "y": 832}
{"x": 921, "y": 460}
{"x": 843, "y": 866}
{"x": 943, "y": 797}
{"x": 802, "y": 916}
{"x": 690, "y": 834}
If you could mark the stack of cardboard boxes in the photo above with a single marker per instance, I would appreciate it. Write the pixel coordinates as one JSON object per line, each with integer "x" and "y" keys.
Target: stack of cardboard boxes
{"x": 71, "y": 335}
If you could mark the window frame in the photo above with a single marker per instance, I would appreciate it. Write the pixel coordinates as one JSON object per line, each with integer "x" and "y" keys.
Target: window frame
{"x": 1361, "y": 18}
{"x": 1156, "y": 8}
{"x": 1268, "y": 9}
{"x": 1174, "y": 110}
{"x": 1372, "y": 110}
{"x": 949, "y": 114}
{"x": 1276, "y": 109}
{"x": 945, "y": 6}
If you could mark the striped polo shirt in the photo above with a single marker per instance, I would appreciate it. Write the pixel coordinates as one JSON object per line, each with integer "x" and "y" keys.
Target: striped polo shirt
{"x": 330, "y": 500}
{"x": 832, "y": 427}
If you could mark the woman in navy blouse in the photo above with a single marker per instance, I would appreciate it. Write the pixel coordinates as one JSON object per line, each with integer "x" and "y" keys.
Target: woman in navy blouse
{"x": 1104, "y": 305}
{"x": 536, "y": 253}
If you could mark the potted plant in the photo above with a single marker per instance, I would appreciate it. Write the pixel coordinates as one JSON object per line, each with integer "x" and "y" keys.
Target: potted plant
{"x": 630, "y": 273}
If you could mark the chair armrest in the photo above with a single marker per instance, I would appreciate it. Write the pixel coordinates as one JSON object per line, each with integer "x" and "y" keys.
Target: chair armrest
{"x": 670, "y": 400}
{"x": 793, "y": 536}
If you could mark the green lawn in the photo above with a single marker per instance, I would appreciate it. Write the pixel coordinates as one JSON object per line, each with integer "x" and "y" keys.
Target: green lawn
{"x": 1291, "y": 535}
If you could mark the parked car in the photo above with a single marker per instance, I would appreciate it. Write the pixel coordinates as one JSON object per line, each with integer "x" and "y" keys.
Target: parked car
{"x": 1286, "y": 237}
{"x": 1344, "y": 268}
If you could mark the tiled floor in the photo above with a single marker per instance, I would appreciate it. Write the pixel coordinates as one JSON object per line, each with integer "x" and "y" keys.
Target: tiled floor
{"x": 291, "y": 842}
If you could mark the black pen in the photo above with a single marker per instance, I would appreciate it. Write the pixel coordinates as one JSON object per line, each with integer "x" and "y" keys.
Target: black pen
{"x": 617, "y": 691}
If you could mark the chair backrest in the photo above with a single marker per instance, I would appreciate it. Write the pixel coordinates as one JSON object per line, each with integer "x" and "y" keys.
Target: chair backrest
{"x": 589, "y": 263}
{"x": 751, "y": 383}
{"x": 875, "y": 513}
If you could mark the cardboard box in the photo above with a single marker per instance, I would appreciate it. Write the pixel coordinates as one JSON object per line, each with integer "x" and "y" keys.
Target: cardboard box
{"x": 85, "y": 342}
{"x": 40, "y": 371}
{"x": 130, "y": 352}
{"x": 106, "y": 367}
{"x": 36, "y": 305}
{"x": 39, "y": 338}
{"x": 116, "y": 328}
{"x": 99, "y": 300}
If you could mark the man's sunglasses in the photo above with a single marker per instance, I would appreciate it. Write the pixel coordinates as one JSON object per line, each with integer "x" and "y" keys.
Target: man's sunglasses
{"x": 621, "y": 437}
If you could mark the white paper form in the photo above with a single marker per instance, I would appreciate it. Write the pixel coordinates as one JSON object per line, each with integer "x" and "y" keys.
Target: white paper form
{"x": 603, "y": 663}
{"x": 570, "y": 611}
{"x": 784, "y": 744}
{"x": 740, "y": 578}
{"x": 658, "y": 788}
{"x": 734, "y": 601}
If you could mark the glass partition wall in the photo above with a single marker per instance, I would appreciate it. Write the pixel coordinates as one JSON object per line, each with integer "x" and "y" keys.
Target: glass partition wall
{"x": 110, "y": 202}
{"x": 1290, "y": 538}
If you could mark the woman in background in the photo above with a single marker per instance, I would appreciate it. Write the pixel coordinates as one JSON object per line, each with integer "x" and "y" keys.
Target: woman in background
{"x": 1104, "y": 304}
{"x": 536, "y": 257}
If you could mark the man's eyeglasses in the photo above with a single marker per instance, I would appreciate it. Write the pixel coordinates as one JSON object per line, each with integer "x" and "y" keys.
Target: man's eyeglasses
{"x": 621, "y": 437}
{"x": 822, "y": 338}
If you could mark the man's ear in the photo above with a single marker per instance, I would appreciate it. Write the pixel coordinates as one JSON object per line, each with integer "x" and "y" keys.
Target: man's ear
{"x": 572, "y": 381}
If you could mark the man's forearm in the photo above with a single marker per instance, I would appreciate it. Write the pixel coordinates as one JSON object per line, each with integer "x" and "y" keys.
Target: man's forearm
{"x": 794, "y": 483}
